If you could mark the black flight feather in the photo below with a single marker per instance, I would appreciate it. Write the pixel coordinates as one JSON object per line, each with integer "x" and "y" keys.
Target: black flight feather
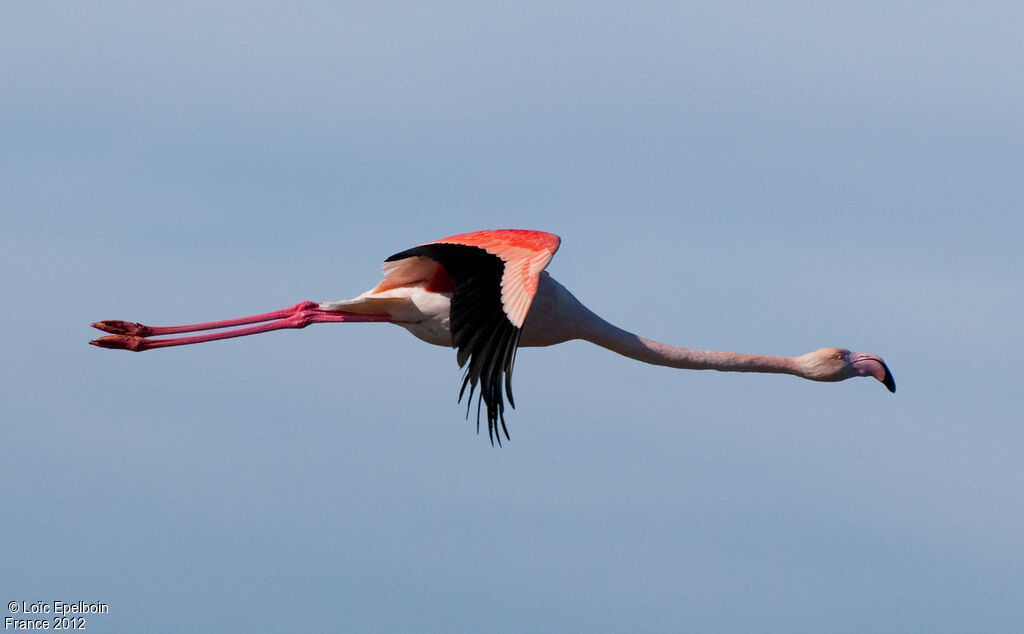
{"x": 484, "y": 338}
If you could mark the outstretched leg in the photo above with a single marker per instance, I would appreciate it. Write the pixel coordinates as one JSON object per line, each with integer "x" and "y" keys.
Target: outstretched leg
{"x": 126, "y": 335}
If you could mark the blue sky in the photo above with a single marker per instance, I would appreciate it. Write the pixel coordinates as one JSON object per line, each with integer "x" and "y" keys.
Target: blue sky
{"x": 730, "y": 176}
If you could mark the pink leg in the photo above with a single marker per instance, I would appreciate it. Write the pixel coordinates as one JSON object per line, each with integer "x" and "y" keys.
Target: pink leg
{"x": 132, "y": 336}
{"x": 118, "y": 327}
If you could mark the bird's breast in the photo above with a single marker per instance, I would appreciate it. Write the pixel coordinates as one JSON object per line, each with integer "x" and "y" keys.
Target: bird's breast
{"x": 555, "y": 316}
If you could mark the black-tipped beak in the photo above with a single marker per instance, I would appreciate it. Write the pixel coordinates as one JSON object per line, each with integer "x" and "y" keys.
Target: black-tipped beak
{"x": 870, "y": 365}
{"x": 888, "y": 381}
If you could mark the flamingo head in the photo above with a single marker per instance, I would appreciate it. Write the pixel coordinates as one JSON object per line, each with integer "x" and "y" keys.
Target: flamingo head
{"x": 838, "y": 364}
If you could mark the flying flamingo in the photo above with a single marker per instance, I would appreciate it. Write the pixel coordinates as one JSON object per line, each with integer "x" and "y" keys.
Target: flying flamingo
{"x": 486, "y": 294}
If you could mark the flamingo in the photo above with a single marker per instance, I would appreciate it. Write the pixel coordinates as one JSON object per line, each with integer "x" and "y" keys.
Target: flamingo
{"x": 486, "y": 294}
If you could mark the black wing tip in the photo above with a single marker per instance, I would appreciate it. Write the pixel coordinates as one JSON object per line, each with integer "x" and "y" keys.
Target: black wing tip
{"x": 484, "y": 338}
{"x": 495, "y": 414}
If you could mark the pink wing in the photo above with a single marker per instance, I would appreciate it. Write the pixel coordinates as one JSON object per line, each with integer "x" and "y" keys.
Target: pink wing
{"x": 495, "y": 275}
{"x": 524, "y": 253}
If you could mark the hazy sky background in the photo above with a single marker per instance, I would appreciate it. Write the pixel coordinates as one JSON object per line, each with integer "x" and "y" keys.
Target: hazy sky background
{"x": 736, "y": 176}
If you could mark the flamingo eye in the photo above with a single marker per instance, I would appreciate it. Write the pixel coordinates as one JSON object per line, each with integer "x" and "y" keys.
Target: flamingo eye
{"x": 837, "y": 355}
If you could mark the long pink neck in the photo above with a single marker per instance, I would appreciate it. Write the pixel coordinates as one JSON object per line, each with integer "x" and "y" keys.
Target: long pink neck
{"x": 557, "y": 316}
{"x": 636, "y": 347}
